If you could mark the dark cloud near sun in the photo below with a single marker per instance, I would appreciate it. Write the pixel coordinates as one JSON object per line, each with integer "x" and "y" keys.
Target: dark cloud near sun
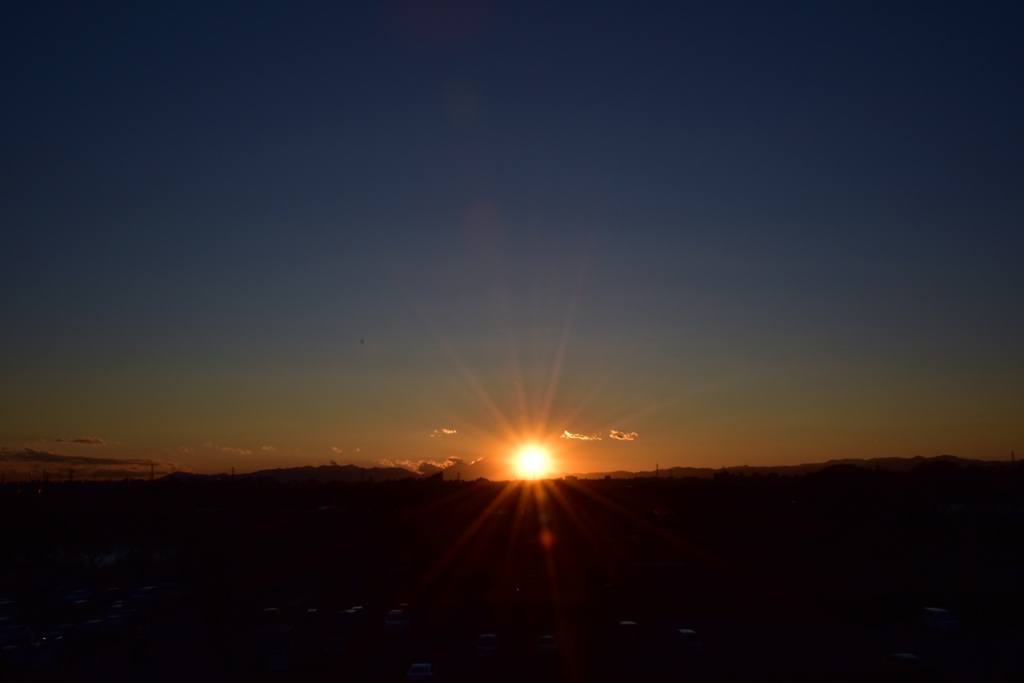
{"x": 30, "y": 462}
{"x": 91, "y": 440}
{"x": 421, "y": 466}
{"x": 430, "y": 467}
{"x": 452, "y": 467}
{"x": 622, "y": 436}
{"x": 29, "y": 455}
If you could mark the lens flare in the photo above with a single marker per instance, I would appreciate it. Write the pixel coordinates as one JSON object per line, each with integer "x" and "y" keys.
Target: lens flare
{"x": 532, "y": 462}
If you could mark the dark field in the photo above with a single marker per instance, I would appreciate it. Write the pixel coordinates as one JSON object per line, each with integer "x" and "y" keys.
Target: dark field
{"x": 811, "y": 578}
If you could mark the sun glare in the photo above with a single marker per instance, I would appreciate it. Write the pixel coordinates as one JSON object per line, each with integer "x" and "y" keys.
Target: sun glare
{"x": 532, "y": 462}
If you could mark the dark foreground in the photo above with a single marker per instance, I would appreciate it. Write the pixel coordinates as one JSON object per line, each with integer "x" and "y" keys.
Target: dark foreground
{"x": 815, "y": 578}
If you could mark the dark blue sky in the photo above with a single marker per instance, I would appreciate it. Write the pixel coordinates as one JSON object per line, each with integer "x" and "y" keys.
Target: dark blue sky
{"x": 244, "y": 234}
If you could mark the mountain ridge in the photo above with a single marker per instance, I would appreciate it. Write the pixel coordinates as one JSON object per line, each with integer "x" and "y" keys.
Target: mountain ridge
{"x": 355, "y": 473}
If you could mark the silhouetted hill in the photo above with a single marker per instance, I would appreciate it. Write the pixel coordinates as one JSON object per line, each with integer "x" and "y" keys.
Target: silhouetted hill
{"x": 887, "y": 464}
{"x": 354, "y": 473}
{"x": 309, "y": 473}
{"x": 324, "y": 473}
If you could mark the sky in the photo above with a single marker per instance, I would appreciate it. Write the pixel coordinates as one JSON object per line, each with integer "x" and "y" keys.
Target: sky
{"x": 267, "y": 234}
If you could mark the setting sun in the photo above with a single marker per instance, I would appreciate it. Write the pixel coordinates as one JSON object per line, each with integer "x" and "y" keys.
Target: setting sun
{"x": 532, "y": 462}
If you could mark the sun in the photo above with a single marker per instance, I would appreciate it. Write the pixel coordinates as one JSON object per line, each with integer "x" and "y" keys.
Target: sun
{"x": 532, "y": 462}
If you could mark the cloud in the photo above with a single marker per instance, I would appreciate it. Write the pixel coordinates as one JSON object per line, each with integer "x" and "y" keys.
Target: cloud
{"x": 30, "y": 463}
{"x": 424, "y": 466}
{"x": 29, "y": 455}
{"x": 92, "y": 440}
{"x": 228, "y": 449}
{"x": 452, "y": 467}
{"x": 432, "y": 467}
{"x": 622, "y": 436}
{"x": 581, "y": 437}
{"x": 337, "y": 450}
{"x": 443, "y": 432}
{"x": 268, "y": 449}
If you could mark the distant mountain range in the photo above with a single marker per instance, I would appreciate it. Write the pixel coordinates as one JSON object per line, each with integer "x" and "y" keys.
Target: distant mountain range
{"x": 354, "y": 473}
{"x": 312, "y": 473}
{"x": 888, "y": 464}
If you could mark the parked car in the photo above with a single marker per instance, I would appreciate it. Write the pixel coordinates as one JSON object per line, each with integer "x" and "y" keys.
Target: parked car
{"x": 938, "y": 619}
{"x": 79, "y": 603}
{"x": 687, "y": 640}
{"x": 397, "y": 621}
{"x": 9, "y": 608}
{"x": 15, "y": 634}
{"x": 547, "y": 646}
{"x": 347, "y": 620}
{"x": 629, "y": 631}
{"x": 146, "y": 598}
{"x": 487, "y": 645}
{"x": 899, "y": 662}
{"x": 421, "y": 671}
{"x": 60, "y": 641}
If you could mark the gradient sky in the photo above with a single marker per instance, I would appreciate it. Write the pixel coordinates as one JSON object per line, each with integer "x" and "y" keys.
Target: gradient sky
{"x": 261, "y": 234}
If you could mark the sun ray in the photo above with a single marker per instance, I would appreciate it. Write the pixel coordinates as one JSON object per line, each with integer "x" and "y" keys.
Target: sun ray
{"x": 447, "y": 556}
{"x": 467, "y": 375}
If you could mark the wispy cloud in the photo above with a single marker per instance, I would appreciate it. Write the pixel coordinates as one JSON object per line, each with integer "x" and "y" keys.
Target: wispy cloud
{"x": 422, "y": 466}
{"x": 268, "y": 449}
{"x": 29, "y": 455}
{"x": 31, "y": 463}
{"x": 91, "y": 440}
{"x": 622, "y": 436}
{"x": 228, "y": 449}
{"x": 443, "y": 432}
{"x": 337, "y": 450}
{"x": 579, "y": 437}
